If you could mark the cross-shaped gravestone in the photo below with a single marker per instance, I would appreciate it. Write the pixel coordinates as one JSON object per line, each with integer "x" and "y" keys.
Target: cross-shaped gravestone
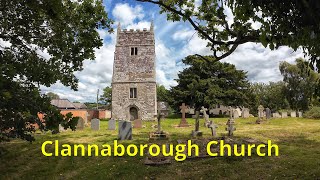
{"x": 183, "y": 122}
{"x": 230, "y": 110}
{"x": 159, "y": 116}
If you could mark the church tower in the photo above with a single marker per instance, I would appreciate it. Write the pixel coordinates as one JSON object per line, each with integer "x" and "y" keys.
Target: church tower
{"x": 134, "y": 75}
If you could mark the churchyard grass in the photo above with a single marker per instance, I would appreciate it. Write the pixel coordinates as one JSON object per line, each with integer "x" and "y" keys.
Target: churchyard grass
{"x": 297, "y": 138}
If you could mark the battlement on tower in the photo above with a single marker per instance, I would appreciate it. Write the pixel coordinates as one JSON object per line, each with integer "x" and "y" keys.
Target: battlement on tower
{"x": 135, "y": 30}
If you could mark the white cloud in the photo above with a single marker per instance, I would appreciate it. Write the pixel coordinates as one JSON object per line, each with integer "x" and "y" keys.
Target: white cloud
{"x": 183, "y": 34}
{"x": 140, "y": 25}
{"x": 126, "y": 14}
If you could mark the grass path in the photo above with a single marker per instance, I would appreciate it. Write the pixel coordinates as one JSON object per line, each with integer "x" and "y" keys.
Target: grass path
{"x": 298, "y": 140}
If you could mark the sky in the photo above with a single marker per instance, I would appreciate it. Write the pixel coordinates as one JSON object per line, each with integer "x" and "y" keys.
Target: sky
{"x": 173, "y": 42}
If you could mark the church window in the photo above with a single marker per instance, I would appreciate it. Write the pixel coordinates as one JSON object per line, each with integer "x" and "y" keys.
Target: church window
{"x": 133, "y": 92}
{"x": 134, "y": 51}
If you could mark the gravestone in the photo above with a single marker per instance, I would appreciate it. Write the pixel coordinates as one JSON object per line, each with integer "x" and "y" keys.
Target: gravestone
{"x": 95, "y": 124}
{"x": 137, "y": 123}
{"x": 196, "y": 132}
{"x": 236, "y": 113}
{"x": 245, "y": 113}
{"x": 61, "y": 128}
{"x": 205, "y": 116}
{"x": 276, "y": 115}
{"x": 125, "y": 130}
{"x": 230, "y": 123}
{"x": 293, "y": 114}
{"x": 80, "y": 124}
{"x": 112, "y": 124}
{"x": 268, "y": 113}
{"x": 300, "y": 114}
{"x": 284, "y": 114}
{"x": 183, "y": 122}
{"x": 260, "y": 114}
{"x": 159, "y": 134}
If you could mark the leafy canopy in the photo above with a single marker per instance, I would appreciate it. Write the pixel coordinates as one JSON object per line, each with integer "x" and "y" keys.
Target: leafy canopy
{"x": 42, "y": 42}
{"x": 207, "y": 83}
{"x": 286, "y": 22}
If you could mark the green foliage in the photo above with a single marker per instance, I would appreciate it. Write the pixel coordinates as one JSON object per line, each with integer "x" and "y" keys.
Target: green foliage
{"x": 301, "y": 83}
{"x": 106, "y": 97}
{"x": 291, "y": 23}
{"x": 49, "y": 40}
{"x": 163, "y": 94}
{"x": 52, "y": 95}
{"x": 313, "y": 113}
{"x": 207, "y": 83}
{"x": 270, "y": 95}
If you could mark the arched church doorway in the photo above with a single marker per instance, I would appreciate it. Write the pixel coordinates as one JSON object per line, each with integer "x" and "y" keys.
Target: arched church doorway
{"x": 133, "y": 113}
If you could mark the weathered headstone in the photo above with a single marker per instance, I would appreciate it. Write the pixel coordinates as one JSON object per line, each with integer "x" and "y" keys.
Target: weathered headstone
{"x": 61, "y": 128}
{"x": 300, "y": 114}
{"x": 205, "y": 116}
{"x": 230, "y": 127}
{"x": 137, "y": 123}
{"x": 125, "y": 130}
{"x": 183, "y": 122}
{"x": 268, "y": 113}
{"x": 260, "y": 114}
{"x": 112, "y": 124}
{"x": 276, "y": 115}
{"x": 245, "y": 113}
{"x": 284, "y": 114}
{"x": 95, "y": 124}
{"x": 293, "y": 114}
{"x": 236, "y": 113}
{"x": 80, "y": 124}
{"x": 196, "y": 132}
{"x": 159, "y": 134}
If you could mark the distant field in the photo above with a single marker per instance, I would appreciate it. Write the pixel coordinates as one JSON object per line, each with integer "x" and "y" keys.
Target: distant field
{"x": 298, "y": 140}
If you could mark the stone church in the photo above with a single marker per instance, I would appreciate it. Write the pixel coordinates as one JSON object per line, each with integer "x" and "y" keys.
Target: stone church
{"x": 134, "y": 75}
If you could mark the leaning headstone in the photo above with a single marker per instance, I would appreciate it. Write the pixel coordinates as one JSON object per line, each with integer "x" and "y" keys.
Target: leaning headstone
{"x": 95, "y": 124}
{"x": 284, "y": 114}
{"x": 245, "y": 113}
{"x": 268, "y": 113}
{"x": 300, "y": 114}
{"x": 260, "y": 114}
{"x": 183, "y": 122}
{"x": 112, "y": 124}
{"x": 293, "y": 114}
{"x": 196, "y": 132}
{"x": 137, "y": 123}
{"x": 125, "y": 130}
{"x": 80, "y": 124}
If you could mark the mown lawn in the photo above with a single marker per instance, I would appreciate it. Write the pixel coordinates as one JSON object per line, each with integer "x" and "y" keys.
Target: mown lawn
{"x": 298, "y": 140}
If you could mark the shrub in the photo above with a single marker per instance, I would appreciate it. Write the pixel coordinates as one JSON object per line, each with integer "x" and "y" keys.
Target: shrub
{"x": 313, "y": 113}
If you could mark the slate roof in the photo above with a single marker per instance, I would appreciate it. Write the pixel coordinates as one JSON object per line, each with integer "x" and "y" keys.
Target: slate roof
{"x": 80, "y": 105}
{"x": 63, "y": 104}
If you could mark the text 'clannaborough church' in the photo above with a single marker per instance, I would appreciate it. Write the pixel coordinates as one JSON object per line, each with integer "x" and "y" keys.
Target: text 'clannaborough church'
{"x": 134, "y": 75}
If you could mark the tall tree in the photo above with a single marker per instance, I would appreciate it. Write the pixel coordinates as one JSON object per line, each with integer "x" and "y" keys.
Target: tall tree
{"x": 163, "y": 94}
{"x": 207, "y": 83}
{"x": 43, "y": 41}
{"x": 301, "y": 83}
{"x": 52, "y": 95}
{"x": 270, "y": 95}
{"x": 106, "y": 97}
{"x": 291, "y": 23}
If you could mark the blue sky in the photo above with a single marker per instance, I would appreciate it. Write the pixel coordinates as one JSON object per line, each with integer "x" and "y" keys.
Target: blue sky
{"x": 174, "y": 41}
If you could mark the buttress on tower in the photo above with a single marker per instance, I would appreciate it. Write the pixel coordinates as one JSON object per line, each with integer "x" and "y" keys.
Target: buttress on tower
{"x": 134, "y": 75}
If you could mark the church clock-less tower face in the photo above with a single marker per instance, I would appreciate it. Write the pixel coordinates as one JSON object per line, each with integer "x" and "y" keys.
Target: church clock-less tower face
{"x": 133, "y": 80}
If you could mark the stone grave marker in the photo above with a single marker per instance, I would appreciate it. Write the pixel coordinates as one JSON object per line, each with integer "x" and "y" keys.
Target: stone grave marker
{"x": 300, "y": 114}
{"x": 80, "y": 124}
{"x": 260, "y": 114}
{"x": 159, "y": 134}
{"x": 183, "y": 122}
{"x": 112, "y": 124}
{"x": 196, "y": 132}
{"x": 125, "y": 130}
{"x": 293, "y": 114}
{"x": 245, "y": 113}
{"x": 284, "y": 114}
{"x": 95, "y": 124}
{"x": 268, "y": 113}
{"x": 205, "y": 116}
{"x": 276, "y": 115}
{"x": 137, "y": 123}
